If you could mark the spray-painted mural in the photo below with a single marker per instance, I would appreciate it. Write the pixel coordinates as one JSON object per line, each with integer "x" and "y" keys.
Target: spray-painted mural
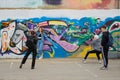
{"x": 64, "y": 37}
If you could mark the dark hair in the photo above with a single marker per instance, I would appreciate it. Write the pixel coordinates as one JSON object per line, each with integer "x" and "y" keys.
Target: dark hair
{"x": 32, "y": 32}
{"x": 103, "y": 27}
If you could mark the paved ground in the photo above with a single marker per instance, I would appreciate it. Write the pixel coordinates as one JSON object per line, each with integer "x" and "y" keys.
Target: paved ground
{"x": 59, "y": 69}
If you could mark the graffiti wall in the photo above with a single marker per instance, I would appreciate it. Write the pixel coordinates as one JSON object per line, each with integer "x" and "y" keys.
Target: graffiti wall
{"x": 64, "y": 37}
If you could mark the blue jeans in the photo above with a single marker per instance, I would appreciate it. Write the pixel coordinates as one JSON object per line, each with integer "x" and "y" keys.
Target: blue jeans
{"x": 39, "y": 48}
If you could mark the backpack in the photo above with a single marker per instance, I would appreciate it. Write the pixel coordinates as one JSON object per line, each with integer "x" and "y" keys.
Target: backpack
{"x": 110, "y": 40}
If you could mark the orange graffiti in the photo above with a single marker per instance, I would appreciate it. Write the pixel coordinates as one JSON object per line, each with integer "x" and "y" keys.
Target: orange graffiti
{"x": 4, "y": 41}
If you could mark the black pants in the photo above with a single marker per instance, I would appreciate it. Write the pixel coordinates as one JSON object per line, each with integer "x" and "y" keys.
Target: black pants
{"x": 93, "y": 51}
{"x": 105, "y": 55}
{"x": 33, "y": 57}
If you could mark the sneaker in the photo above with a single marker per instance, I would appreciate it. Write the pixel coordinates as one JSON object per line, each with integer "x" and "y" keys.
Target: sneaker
{"x": 103, "y": 68}
{"x": 99, "y": 61}
{"x": 84, "y": 61}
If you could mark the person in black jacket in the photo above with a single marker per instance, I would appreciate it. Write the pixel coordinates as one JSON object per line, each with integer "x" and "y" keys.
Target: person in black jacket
{"x": 31, "y": 44}
{"x": 105, "y": 47}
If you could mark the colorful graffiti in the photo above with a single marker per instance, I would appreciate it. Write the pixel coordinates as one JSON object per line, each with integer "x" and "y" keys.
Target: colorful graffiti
{"x": 64, "y": 37}
{"x": 60, "y": 4}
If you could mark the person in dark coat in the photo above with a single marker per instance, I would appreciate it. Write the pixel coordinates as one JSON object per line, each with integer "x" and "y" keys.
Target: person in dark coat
{"x": 31, "y": 44}
{"x": 105, "y": 47}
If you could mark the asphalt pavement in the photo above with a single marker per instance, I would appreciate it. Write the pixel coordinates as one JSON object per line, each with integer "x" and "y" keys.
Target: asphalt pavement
{"x": 59, "y": 69}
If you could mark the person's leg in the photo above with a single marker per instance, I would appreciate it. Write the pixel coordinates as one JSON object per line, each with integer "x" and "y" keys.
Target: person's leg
{"x": 87, "y": 54}
{"x": 33, "y": 59}
{"x": 39, "y": 49}
{"x": 39, "y": 45}
{"x": 25, "y": 58}
{"x": 92, "y": 51}
{"x": 98, "y": 54}
{"x": 105, "y": 57}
